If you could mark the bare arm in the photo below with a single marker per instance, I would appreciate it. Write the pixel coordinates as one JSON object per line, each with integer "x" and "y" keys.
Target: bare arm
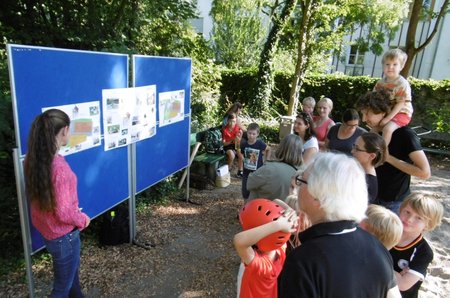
{"x": 266, "y": 154}
{"x": 322, "y": 144}
{"x": 308, "y": 154}
{"x": 405, "y": 280}
{"x": 419, "y": 168}
{"x": 244, "y": 240}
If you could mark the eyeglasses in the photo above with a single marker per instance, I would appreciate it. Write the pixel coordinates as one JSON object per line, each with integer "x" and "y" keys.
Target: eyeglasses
{"x": 355, "y": 147}
{"x": 299, "y": 181}
{"x": 351, "y": 125}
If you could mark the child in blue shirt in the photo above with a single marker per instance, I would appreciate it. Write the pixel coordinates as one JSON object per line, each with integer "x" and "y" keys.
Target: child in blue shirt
{"x": 254, "y": 152}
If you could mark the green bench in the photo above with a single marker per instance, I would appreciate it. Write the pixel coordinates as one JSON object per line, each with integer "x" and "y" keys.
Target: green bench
{"x": 205, "y": 163}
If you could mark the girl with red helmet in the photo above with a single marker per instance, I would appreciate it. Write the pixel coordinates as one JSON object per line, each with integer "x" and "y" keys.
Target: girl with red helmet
{"x": 261, "y": 246}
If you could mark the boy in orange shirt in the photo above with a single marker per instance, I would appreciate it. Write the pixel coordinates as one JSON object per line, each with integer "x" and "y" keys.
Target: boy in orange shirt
{"x": 267, "y": 227}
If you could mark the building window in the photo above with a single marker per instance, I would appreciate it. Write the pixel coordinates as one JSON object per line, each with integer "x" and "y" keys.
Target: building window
{"x": 355, "y": 57}
{"x": 354, "y": 70}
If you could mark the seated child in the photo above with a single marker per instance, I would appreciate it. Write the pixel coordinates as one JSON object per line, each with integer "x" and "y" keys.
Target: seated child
{"x": 231, "y": 138}
{"x": 384, "y": 224}
{"x": 254, "y": 151}
{"x": 400, "y": 91}
{"x": 261, "y": 246}
{"x": 412, "y": 255}
{"x": 308, "y": 105}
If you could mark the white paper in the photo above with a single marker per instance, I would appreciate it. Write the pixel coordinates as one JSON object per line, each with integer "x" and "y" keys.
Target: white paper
{"x": 129, "y": 115}
{"x": 171, "y": 107}
{"x": 84, "y": 126}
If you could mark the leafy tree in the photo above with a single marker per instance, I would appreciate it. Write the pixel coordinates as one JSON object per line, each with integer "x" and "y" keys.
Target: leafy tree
{"x": 322, "y": 23}
{"x": 238, "y": 31}
{"x": 281, "y": 12}
{"x": 419, "y": 12}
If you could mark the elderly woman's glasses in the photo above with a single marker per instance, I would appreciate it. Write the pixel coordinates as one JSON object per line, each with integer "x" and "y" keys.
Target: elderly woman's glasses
{"x": 299, "y": 181}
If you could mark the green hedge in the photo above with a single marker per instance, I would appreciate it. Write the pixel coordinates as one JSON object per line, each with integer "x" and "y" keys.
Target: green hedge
{"x": 431, "y": 99}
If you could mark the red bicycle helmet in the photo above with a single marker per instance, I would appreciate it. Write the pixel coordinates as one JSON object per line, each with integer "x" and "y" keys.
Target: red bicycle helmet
{"x": 261, "y": 211}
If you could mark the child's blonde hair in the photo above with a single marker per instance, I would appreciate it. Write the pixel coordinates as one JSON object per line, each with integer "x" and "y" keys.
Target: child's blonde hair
{"x": 427, "y": 207}
{"x": 326, "y": 100}
{"x": 395, "y": 54}
{"x": 384, "y": 224}
{"x": 309, "y": 101}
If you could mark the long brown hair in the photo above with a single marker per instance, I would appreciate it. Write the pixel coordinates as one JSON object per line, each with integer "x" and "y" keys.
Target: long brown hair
{"x": 42, "y": 147}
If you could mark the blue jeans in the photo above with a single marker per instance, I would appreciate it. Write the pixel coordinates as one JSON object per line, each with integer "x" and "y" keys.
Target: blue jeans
{"x": 394, "y": 206}
{"x": 65, "y": 252}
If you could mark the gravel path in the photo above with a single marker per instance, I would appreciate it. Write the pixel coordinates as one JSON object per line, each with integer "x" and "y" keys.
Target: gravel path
{"x": 193, "y": 254}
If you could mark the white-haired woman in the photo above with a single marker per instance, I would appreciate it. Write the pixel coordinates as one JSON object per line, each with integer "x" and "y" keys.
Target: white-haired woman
{"x": 336, "y": 258}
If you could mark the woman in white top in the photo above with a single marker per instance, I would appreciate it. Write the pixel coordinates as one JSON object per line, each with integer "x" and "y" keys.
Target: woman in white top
{"x": 303, "y": 127}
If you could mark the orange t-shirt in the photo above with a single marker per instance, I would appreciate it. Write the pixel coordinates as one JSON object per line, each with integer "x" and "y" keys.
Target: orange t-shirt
{"x": 229, "y": 136}
{"x": 260, "y": 276}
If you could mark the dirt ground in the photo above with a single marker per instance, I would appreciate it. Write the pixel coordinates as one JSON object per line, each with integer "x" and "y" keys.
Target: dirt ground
{"x": 193, "y": 254}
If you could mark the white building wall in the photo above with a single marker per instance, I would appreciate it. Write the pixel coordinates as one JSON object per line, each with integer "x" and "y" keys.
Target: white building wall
{"x": 204, "y": 8}
{"x": 441, "y": 60}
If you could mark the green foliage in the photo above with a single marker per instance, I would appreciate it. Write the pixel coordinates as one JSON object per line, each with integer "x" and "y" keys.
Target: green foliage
{"x": 238, "y": 32}
{"x": 244, "y": 80}
{"x": 206, "y": 81}
{"x": 269, "y": 133}
{"x": 431, "y": 99}
{"x": 10, "y": 237}
{"x": 160, "y": 193}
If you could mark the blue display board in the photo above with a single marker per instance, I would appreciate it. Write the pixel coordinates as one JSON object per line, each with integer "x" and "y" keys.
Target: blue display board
{"x": 168, "y": 151}
{"x": 45, "y": 77}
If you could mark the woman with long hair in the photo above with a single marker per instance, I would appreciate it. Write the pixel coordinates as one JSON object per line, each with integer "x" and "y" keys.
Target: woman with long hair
{"x": 323, "y": 122}
{"x": 303, "y": 127}
{"x": 52, "y": 190}
{"x": 370, "y": 150}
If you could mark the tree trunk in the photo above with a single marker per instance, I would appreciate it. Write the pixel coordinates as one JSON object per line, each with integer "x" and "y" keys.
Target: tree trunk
{"x": 410, "y": 45}
{"x": 303, "y": 52}
{"x": 260, "y": 104}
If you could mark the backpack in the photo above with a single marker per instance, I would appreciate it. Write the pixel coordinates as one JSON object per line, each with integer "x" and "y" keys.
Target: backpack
{"x": 115, "y": 226}
{"x": 213, "y": 141}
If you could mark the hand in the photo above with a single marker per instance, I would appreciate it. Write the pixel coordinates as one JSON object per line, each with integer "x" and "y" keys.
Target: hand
{"x": 288, "y": 221}
{"x": 88, "y": 221}
{"x": 285, "y": 206}
{"x": 404, "y": 271}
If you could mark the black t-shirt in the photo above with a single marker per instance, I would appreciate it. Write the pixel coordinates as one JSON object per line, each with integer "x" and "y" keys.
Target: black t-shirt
{"x": 337, "y": 259}
{"x": 372, "y": 187}
{"x": 416, "y": 256}
{"x": 393, "y": 184}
